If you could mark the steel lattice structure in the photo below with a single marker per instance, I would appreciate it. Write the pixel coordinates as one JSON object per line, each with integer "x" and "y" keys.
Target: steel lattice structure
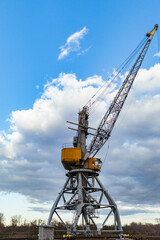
{"x": 83, "y": 194}
{"x": 106, "y": 125}
{"x": 79, "y": 195}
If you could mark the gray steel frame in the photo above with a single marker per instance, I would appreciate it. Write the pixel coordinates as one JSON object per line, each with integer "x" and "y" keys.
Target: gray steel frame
{"x": 107, "y": 123}
{"x": 78, "y": 196}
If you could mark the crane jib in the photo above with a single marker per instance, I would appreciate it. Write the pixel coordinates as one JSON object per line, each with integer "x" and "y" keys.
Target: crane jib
{"x": 107, "y": 123}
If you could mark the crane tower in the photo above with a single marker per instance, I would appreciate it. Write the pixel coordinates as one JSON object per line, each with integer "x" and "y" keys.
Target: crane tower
{"x": 83, "y": 195}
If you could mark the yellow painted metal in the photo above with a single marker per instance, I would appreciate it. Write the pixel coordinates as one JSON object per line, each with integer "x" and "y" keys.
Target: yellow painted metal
{"x": 71, "y": 157}
{"x": 69, "y": 154}
{"x": 153, "y": 31}
{"x": 126, "y": 235}
{"x": 94, "y": 164}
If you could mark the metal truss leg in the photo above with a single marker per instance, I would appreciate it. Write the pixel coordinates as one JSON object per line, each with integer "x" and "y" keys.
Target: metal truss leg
{"x": 82, "y": 196}
{"x": 56, "y": 203}
{"x": 118, "y": 225}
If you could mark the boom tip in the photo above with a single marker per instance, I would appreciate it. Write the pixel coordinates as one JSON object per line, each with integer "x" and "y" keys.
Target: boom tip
{"x": 156, "y": 26}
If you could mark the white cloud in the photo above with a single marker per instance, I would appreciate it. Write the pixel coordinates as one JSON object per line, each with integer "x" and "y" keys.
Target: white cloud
{"x": 148, "y": 80}
{"x": 157, "y": 54}
{"x": 73, "y": 44}
{"x": 83, "y": 51}
{"x": 30, "y": 150}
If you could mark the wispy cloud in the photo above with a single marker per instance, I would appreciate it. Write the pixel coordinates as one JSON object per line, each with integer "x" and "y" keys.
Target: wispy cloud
{"x": 83, "y": 51}
{"x": 157, "y": 54}
{"x": 73, "y": 43}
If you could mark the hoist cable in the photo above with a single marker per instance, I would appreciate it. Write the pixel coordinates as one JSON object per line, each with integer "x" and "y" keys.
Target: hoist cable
{"x": 158, "y": 46}
{"x": 113, "y": 77}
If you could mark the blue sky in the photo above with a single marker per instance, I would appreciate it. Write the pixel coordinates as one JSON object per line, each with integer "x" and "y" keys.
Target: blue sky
{"x": 33, "y": 31}
{"x": 32, "y": 36}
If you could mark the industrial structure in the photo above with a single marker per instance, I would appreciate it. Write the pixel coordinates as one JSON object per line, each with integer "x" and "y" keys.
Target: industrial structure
{"x": 83, "y": 194}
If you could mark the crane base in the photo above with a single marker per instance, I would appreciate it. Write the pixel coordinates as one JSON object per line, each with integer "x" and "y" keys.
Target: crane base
{"x": 84, "y": 206}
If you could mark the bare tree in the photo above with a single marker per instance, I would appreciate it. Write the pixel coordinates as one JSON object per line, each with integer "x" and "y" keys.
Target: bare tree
{"x": 157, "y": 220}
{"x": 16, "y": 220}
{"x": 2, "y": 220}
{"x": 25, "y": 222}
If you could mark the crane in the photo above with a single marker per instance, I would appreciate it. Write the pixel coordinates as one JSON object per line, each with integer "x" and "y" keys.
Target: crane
{"x": 83, "y": 193}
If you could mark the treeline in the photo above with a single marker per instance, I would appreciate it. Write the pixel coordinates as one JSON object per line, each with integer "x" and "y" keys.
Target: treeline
{"x": 17, "y": 220}
{"x": 139, "y": 229}
{"x": 20, "y": 227}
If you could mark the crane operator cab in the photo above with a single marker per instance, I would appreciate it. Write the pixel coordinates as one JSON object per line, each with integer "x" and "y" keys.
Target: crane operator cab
{"x": 71, "y": 158}
{"x": 94, "y": 164}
